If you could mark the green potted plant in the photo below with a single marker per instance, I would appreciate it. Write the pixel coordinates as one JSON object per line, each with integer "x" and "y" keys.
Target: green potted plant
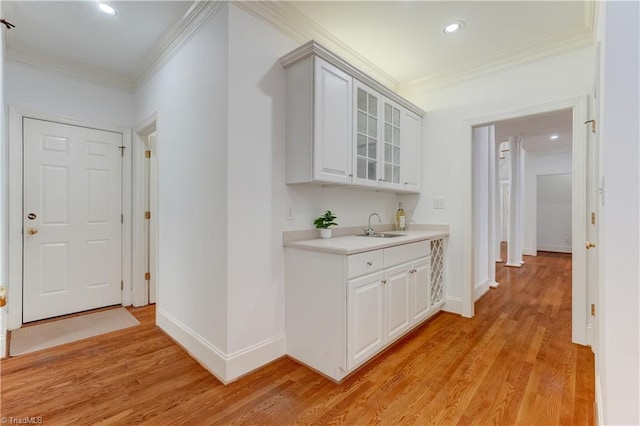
{"x": 324, "y": 222}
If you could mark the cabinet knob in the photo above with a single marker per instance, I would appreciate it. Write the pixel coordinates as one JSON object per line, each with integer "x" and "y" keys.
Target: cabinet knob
{"x": 384, "y": 281}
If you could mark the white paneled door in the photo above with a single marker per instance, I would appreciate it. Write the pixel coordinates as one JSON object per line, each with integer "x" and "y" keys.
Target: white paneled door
{"x": 72, "y": 219}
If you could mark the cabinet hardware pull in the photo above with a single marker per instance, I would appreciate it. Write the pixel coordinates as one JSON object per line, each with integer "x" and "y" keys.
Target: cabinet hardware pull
{"x": 384, "y": 281}
{"x": 369, "y": 263}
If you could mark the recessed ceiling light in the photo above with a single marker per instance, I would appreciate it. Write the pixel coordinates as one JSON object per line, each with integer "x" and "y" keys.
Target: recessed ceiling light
{"x": 453, "y": 27}
{"x": 553, "y": 137}
{"x": 106, "y": 9}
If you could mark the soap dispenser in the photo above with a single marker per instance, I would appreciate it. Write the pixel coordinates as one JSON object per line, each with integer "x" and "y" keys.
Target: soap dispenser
{"x": 400, "y": 219}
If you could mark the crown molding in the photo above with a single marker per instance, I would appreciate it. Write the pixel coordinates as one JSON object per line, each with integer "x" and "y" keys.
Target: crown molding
{"x": 542, "y": 48}
{"x": 201, "y": 12}
{"x": 299, "y": 27}
{"x": 170, "y": 43}
{"x": 65, "y": 67}
{"x": 313, "y": 48}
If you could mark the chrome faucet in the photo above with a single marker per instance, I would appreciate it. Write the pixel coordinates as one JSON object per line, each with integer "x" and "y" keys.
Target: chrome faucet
{"x": 369, "y": 230}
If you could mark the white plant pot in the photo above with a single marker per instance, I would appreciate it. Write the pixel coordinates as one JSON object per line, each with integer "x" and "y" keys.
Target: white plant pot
{"x": 325, "y": 233}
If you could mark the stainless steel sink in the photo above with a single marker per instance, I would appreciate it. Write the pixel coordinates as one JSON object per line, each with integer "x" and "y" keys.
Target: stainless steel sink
{"x": 380, "y": 235}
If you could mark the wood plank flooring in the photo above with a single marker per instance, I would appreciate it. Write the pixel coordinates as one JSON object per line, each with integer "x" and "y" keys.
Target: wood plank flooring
{"x": 513, "y": 363}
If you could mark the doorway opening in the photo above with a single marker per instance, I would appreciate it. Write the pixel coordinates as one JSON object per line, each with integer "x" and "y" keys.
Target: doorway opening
{"x": 145, "y": 219}
{"x": 536, "y": 141}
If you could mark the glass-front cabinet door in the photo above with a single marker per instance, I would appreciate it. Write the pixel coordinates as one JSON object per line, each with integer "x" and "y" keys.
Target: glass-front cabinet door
{"x": 392, "y": 146}
{"x": 367, "y": 135}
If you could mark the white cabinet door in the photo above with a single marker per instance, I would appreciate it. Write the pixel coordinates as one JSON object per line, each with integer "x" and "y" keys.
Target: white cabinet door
{"x": 365, "y": 318}
{"x": 397, "y": 296}
{"x": 420, "y": 287}
{"x": 332, "y": 124}
{"x": 410, "y": 153}
{"x": 366, "y": 135}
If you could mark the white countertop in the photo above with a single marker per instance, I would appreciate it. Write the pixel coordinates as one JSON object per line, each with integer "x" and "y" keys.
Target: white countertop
{"x": 351, "y": 244}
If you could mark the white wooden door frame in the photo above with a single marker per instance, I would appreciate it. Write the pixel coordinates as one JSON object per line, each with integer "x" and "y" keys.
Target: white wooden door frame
{"x": 140, "y": 296}
{"x": 14, "y": 299}
{"x": 579, "y": 216}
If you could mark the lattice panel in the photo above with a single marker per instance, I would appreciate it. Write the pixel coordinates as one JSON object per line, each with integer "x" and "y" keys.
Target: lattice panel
{"x": 437, "y": 271}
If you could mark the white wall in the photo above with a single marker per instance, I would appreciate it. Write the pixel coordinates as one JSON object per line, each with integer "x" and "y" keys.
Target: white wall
{"x": 447, "y": 135}
{"x": 618, "y": 357}
{"x": 258, "y": 197}
{"x": 554, "y": 213}
{"x": 189, "y": 95}
{"x": 36, "y": 90}
{"x": 540, "y": 165}
{"x": 481, "y": 210}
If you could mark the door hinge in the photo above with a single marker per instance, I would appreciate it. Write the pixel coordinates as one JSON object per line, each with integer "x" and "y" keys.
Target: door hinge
{"x": 121, "y": 218}
{"x": 593, "y": 309}
{"x": 121, "y": 285}
{"x": 593, "y": 125}
{"x": 147, "y": 214}
{"x": 122, "y": 148}
{"x": 147, "y": 154}
{"x": 147, "y": 276}
{"x": 593, "y": 218}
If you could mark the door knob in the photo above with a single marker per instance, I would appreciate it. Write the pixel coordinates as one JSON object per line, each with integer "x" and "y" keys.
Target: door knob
{"x": 32, "y": 231}
{"x": 590, "y": 245}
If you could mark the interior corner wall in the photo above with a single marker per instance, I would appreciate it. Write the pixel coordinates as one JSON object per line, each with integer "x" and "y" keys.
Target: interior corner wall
{"x": 256, "y": 192}
{"x": 539, "y": 165}
{"x": 447, "y": 134}
{"x": 189, "y": 95}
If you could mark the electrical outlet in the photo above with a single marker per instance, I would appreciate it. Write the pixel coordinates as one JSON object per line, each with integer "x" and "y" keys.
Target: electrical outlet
{"x": 438, "y": 203}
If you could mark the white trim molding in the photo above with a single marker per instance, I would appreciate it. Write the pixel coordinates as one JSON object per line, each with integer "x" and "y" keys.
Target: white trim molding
{"x": 225, "y": 367}
{"x": 453, "y": 305}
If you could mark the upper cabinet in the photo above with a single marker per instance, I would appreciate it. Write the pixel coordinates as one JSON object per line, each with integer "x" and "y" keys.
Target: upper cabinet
{"x": 345, "y": 128}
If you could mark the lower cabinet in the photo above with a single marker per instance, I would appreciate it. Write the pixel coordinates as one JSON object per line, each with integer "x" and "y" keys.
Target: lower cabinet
{"x": 335, "y": 325}
{"x": 365, "y": 318}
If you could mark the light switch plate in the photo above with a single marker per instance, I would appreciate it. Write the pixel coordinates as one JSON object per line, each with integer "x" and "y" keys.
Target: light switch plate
{"x": 438, "y": 203}
{"x": 290, "y": 214}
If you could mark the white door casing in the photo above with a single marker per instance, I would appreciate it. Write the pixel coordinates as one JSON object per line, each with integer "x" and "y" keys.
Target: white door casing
{"x": 593, "y": 223}
{"x": 152, "y": 222}
{"x": 579, "y": 268}
{"x": 72, "y": 219}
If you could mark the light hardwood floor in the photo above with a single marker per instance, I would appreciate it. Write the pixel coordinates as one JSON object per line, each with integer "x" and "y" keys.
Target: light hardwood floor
{"x": 513, "y": 363}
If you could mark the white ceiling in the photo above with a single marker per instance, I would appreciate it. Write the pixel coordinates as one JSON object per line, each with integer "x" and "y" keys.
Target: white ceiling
{"x": 399, "y": 43}
{"x": 535, "y": 131}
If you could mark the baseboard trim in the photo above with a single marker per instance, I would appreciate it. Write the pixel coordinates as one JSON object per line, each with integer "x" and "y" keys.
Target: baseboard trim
{"x": 242, "y": 362}
{"x": 481, "y": 288}
{"x": 226, "y": 368}
{"x": 554, "y": 248}
{"x": 210, "y": 357}
{"x": 599, "y": 411}
{"x": 513, "y": 265}
{"x": 494, "y": 284}
{"x": 527, "y": 251}
{"x": 453, "y": 305}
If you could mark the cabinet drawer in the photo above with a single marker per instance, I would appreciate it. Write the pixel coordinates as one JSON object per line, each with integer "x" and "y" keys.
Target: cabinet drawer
{"x": 406, "y": 253}
{"x": 364, "y": 263}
